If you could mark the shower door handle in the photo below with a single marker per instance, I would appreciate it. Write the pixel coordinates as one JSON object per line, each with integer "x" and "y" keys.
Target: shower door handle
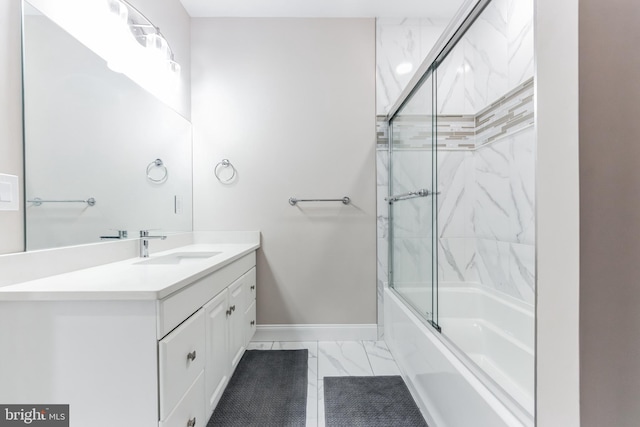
{"x": 423, "y": 192}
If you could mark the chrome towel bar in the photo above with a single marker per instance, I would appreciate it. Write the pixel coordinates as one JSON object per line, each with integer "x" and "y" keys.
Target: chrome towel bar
{"x": 38, "y": 201}
{"x": 423, "y": 192}
{"x": 345, "y": 200}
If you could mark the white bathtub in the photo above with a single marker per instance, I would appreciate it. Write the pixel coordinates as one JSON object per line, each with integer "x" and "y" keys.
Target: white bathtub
{"x": 496, "y": 333}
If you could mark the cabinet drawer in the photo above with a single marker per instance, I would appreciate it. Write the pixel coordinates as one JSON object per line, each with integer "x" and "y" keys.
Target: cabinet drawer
{"x": 249, "y": 323}
{"x": 190, "y": 411}
{"x": 250, "y": 283}
{"x": 181, "y": 359}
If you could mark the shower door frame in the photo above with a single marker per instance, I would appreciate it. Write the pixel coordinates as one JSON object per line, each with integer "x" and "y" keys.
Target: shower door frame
{"x": 427, "y": 77}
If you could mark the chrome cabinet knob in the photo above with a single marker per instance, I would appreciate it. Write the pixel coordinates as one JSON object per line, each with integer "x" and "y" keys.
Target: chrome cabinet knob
{"x": 191, "y": 356}
{"x": 253, "y": 322}
{"x": 253, "y": 287}
{"x": 233, "y": 308}
{"x": 191, "y": 422}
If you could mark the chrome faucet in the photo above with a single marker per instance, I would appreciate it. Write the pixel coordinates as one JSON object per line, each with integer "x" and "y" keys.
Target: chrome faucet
{"x": 144, "y": 242}
{"x": 122, "y": 234}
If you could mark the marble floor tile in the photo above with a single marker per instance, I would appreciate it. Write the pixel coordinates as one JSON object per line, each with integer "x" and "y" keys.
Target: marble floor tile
{"x": 260, "y": 345}
{"x": 342, "y": 358}
{"x": 335, "y": 358}
{"x": 312, "y": 346}
{"x": 321, "y": 419}
{"x": 380, "y": 358}
{"x": 312, "y": 402}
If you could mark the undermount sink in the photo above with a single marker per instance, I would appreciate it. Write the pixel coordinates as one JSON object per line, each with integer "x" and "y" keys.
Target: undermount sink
{"x": 180, "y": 258}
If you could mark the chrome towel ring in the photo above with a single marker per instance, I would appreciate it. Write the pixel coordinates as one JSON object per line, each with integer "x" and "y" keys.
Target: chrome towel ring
{"x": 225, "y": 163}
{"x": 157, "y": 163}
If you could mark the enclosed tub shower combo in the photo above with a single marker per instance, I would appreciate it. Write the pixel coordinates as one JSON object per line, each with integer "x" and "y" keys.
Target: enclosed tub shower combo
{"x": 459, "y": 312}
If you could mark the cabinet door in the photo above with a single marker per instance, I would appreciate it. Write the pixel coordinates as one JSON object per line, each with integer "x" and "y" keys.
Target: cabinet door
{"x": 236, "y": 319}
{"x": 217, "y": 367}
{"x": 250, "y": 284}
{"x": 249, "y": 323}
{"x": 181, "y": 357}
{"x": 190, "y": 411}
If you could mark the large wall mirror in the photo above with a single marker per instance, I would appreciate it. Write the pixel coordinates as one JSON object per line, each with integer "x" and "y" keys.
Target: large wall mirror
{"x": 101, "y": 153}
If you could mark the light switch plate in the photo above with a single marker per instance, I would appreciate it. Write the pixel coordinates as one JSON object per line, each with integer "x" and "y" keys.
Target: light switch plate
{"x": 5, "y": 192}
{"x": 9, "y": 199}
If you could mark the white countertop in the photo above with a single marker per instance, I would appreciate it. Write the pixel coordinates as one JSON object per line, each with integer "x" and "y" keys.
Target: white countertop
{"x": 127, "y": 280}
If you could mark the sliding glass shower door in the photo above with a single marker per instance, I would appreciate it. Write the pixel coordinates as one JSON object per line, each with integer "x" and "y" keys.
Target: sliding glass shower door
{"x": 412, "y": 205}
{"x": 470, "y": 124}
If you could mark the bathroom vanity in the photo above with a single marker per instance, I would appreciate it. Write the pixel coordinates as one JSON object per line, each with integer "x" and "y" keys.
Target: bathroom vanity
{"x": 140, "y": 342}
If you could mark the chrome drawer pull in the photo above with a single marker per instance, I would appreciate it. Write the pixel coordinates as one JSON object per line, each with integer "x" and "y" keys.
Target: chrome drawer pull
{"x": 191, "y": 422}
{"x": 191, "y": 356}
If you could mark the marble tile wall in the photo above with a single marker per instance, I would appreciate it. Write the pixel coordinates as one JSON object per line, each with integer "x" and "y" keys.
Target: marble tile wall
{"x": 494, "y": 56}
{"x": 401, "y": 46}
{"x": 486, "y": 215}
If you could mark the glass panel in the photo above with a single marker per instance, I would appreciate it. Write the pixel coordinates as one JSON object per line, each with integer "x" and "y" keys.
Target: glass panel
{"x": 412, "y": 262}
{"x": 486, "y": 206}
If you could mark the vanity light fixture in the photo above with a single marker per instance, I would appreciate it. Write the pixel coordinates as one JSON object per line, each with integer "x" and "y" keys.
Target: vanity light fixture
{"x": 129, "y": 24}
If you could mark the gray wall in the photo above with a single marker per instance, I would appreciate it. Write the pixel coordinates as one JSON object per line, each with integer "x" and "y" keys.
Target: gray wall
{"x": 609, "y": 213}
{"x": 291, "y": 103}
{"x": 11, "y": 223}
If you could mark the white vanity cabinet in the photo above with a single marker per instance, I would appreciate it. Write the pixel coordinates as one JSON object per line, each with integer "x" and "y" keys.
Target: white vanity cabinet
{"x": 127, "y": 358}
{"x": 204, "y": 350}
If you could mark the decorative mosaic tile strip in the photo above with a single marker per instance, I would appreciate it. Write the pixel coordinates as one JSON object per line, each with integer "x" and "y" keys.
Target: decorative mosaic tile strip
{"x": 382, "y": 131}
{"x": 505, "y": 116}
{"x": 415, "y": 131}
{"x": 456, "y": 131}
{"x": 412, "y": 131}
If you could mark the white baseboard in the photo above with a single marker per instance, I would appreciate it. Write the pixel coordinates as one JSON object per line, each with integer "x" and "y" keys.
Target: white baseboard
{"x": 366, "y": 332}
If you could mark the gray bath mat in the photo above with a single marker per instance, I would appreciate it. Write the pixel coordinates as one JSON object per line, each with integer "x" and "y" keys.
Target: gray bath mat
{"x": 370, "y": 402}
{"x": 268, "y": 388}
